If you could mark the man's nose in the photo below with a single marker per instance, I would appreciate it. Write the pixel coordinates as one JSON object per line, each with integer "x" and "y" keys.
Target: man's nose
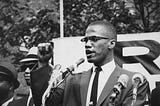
{"x": 88, "y": 44}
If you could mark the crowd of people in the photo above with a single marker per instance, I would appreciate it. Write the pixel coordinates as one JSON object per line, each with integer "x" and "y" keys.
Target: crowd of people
{"x": 104, "y": 84}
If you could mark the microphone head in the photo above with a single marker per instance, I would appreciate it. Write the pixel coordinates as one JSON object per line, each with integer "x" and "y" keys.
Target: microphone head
{"x": 57, "y": 67}
{"x": 137, "y": 78}
{"x": 123, "y": 79}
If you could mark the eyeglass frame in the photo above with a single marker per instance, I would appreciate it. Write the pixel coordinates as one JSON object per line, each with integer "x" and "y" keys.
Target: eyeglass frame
{"x": 96, "y": 38}
{"x": 30, "y": 65}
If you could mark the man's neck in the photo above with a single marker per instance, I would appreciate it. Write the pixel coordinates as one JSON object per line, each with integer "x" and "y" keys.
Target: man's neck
{"x": 104, "y": 62}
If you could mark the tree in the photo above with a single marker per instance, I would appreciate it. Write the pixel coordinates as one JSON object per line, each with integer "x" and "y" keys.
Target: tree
{"x": 27, "y": 22}
{"x": 148, "y": 14}
{"x": 128, "y": 16}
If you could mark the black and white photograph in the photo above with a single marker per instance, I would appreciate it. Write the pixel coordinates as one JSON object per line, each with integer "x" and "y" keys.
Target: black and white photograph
{"x": 79, "y": 53}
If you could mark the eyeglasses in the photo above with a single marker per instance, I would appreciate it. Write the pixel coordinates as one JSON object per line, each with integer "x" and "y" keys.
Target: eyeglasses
{"x": 30, "y": 65}
{"x": 92, "y": 38}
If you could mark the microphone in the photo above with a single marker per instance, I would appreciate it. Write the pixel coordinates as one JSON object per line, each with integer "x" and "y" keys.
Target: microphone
{"x": 71, "y": 68}
{"x": 137, "y": 80}
{"x": 65, "y": 72}
{"x": 121, "y": 84}
{"x": 57, "y": 77}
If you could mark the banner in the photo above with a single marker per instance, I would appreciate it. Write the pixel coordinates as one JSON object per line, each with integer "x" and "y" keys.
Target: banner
{"x": 134, "y": 52}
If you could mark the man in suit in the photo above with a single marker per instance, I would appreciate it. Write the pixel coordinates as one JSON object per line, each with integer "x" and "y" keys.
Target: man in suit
{"x": 8, "y": 84}
{"x": 100, "y": 40}
{"x": 37, "y": 72}
{"x": 28, "y": 64}
{"x": 40, "y": 76}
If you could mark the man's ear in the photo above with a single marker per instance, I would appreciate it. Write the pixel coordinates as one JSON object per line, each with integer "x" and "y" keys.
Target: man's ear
{"x": 112, "y": 43}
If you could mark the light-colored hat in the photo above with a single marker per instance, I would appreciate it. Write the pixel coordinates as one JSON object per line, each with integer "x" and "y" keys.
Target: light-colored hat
{"x": 31, "y": 56}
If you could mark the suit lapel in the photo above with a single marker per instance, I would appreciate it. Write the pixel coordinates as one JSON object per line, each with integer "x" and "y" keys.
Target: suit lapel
{"x": 84, "y": 86}
{"x": 109, "y": 86}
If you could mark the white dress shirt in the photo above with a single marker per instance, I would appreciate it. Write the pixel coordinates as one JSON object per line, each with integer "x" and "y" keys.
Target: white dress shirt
{"x": 107, "y": 70}
{"x": 29, "y": 98}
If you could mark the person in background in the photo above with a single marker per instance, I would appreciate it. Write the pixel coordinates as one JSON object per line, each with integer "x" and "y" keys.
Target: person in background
{"x": 40, "y": 77}
{"x": 155, "y": 95}
{"x": 29, "y": 63}
{"x": 95, "y": 86}
{"x": 8, "y": 85}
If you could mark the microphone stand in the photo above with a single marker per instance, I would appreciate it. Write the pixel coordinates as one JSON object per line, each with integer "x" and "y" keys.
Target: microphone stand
{"x": 137, "y": 80}
{"x": 134, "y": 97}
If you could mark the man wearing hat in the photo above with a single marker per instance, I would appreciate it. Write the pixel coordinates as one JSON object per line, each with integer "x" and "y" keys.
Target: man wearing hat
{"x": 8, "y": 84}
{"x": 28, "y": 64}
{"x": 37, "y": 71}
{"x": 41, "y": 75}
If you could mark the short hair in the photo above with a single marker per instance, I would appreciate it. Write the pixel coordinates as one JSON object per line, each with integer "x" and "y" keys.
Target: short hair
{"x": 107, "y": 25}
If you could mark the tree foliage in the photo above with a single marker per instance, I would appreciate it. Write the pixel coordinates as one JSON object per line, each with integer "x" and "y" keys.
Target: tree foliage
{"x": 26, "y": 22}
{"x": 148, "y": 14}
{"x": 29, "y": 22}
{"x": 128, "y": 16}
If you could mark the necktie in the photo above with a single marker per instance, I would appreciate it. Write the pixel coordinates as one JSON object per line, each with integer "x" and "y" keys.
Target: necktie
{"x": 93, "y": 98}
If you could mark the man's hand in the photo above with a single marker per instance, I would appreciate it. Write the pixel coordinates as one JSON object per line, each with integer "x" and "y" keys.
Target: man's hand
{"x": 27, "y": 76}
{"x": 45, "y": 52}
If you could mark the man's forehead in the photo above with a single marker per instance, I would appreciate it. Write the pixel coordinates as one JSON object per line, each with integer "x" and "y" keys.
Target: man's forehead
{"x": 96, "y": 29}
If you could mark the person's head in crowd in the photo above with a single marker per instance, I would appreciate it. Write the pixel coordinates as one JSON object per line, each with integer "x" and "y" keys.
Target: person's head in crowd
{"x": 29, "y": 63}
{"x": 8, "y": 81}
{"x": 100, "y": 40}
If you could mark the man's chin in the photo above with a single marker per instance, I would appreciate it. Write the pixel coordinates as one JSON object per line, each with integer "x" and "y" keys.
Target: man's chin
{"x": 90, "y": 60}
{"x": 93, "y": 60}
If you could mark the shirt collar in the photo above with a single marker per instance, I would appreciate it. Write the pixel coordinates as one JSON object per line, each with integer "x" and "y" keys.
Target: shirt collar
{"x": 109, "y": 66}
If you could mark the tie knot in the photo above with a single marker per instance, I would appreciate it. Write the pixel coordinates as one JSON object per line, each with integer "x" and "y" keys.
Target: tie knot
{"x": 98, "y": 69}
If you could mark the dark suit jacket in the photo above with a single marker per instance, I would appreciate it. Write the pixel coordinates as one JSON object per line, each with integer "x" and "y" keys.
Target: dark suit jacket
{"x": 155, "y": 97}
{"x": 19, "y": 101}
{"x": 76, "y": 87}
{"x": 39, "y": 83}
